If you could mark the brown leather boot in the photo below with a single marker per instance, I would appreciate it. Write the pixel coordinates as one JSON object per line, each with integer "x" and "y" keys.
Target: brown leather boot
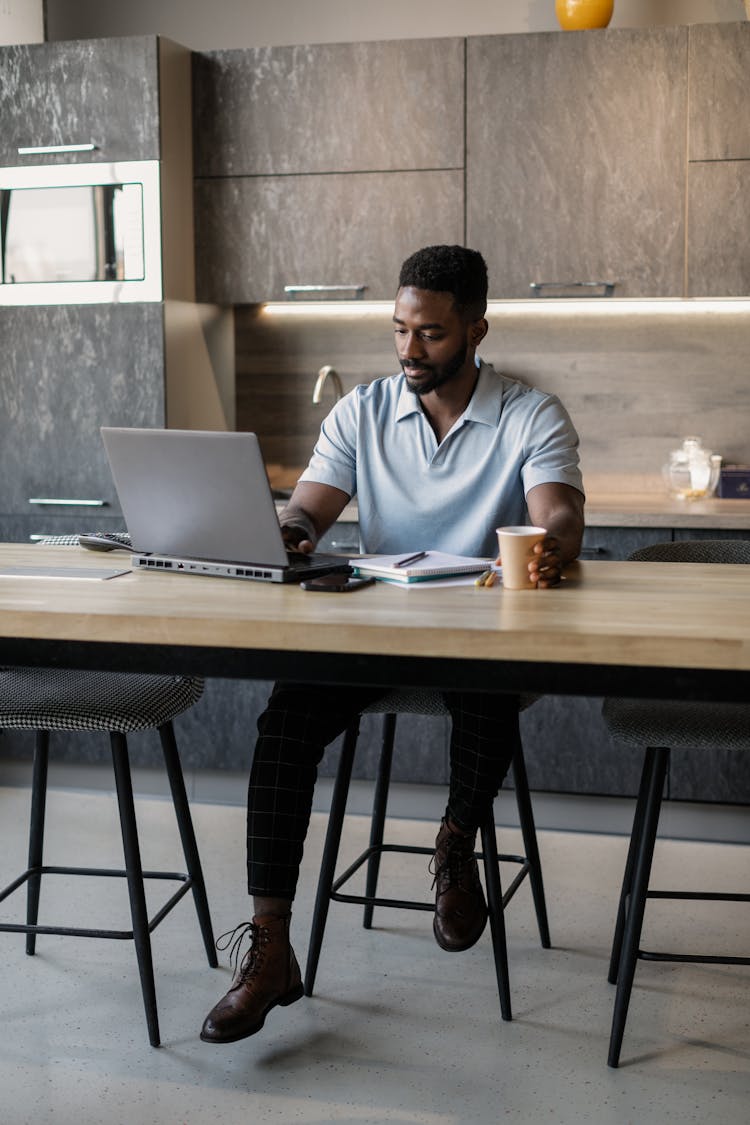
{"x": 267, "y": 975}
{"x": 460, "y": 907}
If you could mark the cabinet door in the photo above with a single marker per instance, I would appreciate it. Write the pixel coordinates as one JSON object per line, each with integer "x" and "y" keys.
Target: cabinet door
{"x": 719, "y": 229}
{"x": 254, "y": 235}
{"x": 67, "y": 370}
{"x": 575, "y": 167}
{"x": 719, "y": 67}
{"x": 100, "y": 91}
{"x": 342, "y": 107}
{"x": 617, "y": 543}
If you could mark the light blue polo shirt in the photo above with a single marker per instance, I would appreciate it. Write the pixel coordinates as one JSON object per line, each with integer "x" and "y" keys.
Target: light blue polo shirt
{"x": 413, "y": 494}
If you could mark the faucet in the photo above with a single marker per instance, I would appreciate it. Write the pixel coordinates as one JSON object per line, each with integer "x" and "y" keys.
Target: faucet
{"x": 327, "y": 372}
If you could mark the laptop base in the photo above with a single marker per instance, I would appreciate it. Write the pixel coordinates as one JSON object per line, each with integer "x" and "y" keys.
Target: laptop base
{"x": 290, "y": 574}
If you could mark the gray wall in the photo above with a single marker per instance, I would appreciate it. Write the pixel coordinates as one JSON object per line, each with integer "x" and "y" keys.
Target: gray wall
{"x": 248, "y": 23}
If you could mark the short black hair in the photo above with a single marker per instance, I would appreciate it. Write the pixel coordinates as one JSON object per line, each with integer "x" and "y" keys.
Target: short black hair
{"x": 450, "y": 269}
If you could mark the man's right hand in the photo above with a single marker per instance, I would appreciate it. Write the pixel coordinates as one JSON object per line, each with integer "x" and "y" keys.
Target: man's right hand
{"x": 297, "y": 538}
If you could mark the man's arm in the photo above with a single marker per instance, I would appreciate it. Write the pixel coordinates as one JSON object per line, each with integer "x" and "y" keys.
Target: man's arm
{"x": 559, "y": 508}
{"x": 311, "y": 510}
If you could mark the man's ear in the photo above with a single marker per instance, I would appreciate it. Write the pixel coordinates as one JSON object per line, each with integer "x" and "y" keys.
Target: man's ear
{"x": 477, "y": 331}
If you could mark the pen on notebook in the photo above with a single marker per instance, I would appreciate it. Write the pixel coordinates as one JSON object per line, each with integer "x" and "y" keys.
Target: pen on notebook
{"x": 411, "y": 558}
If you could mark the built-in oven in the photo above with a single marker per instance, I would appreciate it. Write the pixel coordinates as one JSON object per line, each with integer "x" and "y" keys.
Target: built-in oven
{"x": 80, "y": 233}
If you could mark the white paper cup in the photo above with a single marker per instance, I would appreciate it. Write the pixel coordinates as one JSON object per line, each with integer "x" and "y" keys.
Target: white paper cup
{"x": 516, "y": 552}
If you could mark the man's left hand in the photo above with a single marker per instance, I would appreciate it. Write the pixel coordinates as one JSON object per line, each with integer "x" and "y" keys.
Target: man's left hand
{"x": 545, "y": 569}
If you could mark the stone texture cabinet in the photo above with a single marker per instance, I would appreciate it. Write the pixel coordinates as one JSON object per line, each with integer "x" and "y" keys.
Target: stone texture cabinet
{"x": 66, "y": 371}
{"x": 719, "y": 161}
{"x": 324, "y": 165}
{"x": 100, "y": 91}
{"x": 575, "y": 166}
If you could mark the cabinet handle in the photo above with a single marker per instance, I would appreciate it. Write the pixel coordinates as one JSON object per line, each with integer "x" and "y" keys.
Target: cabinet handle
{"x": 589, "y": 552}
{"x": 69, "y": 503}
{"x": 38, "y": 150}
{"x": 293, "y": 291}
{"x": 607, "y": 287}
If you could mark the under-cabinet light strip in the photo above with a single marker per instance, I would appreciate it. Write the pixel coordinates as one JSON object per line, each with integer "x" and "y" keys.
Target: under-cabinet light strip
{"x": 559, "y": 306}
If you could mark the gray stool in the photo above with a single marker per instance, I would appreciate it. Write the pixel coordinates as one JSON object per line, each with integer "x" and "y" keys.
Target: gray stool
{"x": 661, "y": 727}
{"x": 47, "y": 700}
{"x": 329, "y": 887}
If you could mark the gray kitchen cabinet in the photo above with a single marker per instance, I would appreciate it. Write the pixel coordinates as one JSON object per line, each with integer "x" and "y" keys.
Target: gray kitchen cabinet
{"x": 576, "y": 156}
{"x": 718, "y": 238}
{"x": 67, "y": 370}
{"x": 718, "y": 252}
{"x": 718, "y": 68}
{"x": 324, "y": 165}
{"x": 100, "y": 91}
{"x": 256, "y": 234}
{"x": 341, "y": 107}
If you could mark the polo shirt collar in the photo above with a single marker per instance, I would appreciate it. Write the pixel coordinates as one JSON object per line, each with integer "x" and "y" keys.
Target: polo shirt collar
{"x": 484, "y": 406}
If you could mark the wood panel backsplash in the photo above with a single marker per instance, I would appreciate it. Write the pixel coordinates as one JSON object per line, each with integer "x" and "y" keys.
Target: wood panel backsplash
{"x": 635, "y": 378}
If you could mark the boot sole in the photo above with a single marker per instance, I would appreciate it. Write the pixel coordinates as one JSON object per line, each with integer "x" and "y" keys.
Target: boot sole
{"x": 283, "y": 1002}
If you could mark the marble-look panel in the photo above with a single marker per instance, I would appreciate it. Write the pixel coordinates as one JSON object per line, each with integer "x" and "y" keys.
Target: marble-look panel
{"x": 100, "y": 90}
{"x": 254, "y": 235}
{"x": 66, "y": 371}
{"x": 342, "y": 107}
{"x": 719, "y": 70}
{"x": 576, "y": 159}
{"x": 719, "y": 229}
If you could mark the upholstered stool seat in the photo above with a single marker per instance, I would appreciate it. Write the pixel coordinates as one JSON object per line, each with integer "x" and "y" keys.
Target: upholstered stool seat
{"x": 45, "y": 700}
{"x": 421, "y": 702}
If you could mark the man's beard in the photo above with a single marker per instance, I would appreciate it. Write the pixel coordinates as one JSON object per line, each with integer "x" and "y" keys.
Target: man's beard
{"x": 440, "y": 374}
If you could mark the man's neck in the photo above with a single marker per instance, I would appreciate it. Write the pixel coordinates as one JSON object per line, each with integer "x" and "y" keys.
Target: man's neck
{"x": 443, "y": 406}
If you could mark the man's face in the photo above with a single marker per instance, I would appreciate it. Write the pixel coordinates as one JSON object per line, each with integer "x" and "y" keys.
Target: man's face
{"x": 432, "y": 338}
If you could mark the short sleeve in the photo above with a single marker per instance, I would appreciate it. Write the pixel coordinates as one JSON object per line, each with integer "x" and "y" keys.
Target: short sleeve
{"x": 334, "y": 458}
{"x": 551, "y": 447}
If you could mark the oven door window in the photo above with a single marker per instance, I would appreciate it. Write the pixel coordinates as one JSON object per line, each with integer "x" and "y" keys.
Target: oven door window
{"x": 78, "y": 233}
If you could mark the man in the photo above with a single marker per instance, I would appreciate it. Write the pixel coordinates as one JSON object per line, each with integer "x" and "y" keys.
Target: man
{"x": 438, "y": 456}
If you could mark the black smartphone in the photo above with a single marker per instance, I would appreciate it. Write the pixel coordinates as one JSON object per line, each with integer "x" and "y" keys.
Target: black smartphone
{"x": 336, "y": 583}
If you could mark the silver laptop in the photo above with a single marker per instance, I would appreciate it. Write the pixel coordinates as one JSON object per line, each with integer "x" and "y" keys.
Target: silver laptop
{"x": 199, "y": 502}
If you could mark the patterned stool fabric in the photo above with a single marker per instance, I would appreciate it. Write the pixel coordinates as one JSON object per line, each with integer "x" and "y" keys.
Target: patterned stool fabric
{"x": 55, "y": 699}
{"x": 66, "y": 699}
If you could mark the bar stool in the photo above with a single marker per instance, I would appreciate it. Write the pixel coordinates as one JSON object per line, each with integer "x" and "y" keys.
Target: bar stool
{"x": 45, "y": 700}
{"x": 329, "y": 886}
{"x": 660, "y": 727}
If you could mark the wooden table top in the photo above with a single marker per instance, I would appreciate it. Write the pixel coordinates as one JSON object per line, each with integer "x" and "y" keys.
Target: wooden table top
{"x": 605, "y": 613}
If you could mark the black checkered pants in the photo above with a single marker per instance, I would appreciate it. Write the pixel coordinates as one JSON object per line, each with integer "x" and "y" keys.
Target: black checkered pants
{"x": 294, "y": 730}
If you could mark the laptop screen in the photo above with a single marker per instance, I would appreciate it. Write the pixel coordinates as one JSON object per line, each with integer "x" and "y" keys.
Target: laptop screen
{"x": 197, "y": 493}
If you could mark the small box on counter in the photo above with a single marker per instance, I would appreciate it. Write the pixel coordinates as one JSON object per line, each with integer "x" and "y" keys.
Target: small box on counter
{"x": 734, "y": 482}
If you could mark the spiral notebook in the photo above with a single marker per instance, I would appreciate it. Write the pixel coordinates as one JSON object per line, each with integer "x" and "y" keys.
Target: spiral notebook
{"x": 435, "y": 564}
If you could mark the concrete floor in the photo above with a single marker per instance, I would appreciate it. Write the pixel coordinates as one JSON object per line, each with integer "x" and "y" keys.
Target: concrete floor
{"x": 398, "y": 1030}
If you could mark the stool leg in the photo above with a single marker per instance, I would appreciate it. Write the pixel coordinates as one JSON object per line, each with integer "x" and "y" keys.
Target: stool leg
{"x": 330, "y": 854}
{"x": 656, "y": 760}
{"x": 187, "y": 836}
{"x": 531, "y": 848}
{"x": 134, "y": 871}
{"x": 379, "y": 805}
{"x": 496, "y": 913}
{"x": 627, "y": 879}
{"x": 36, "y": 832}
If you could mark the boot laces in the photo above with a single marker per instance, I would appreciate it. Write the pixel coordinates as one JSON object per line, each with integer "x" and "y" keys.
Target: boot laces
{"x": 233, "y": 940}
{"x": 456, "y": 866}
